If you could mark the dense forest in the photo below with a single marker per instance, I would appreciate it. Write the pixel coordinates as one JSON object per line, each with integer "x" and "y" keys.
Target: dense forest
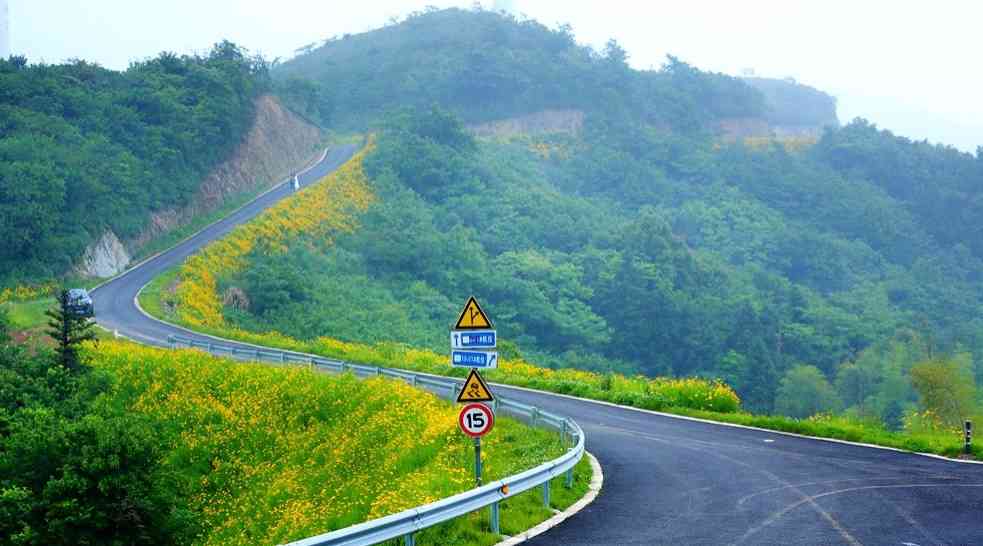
{"x": 483, "y": 66}
{"x": 84, "y": 149}
{"x": 811, "y": 279}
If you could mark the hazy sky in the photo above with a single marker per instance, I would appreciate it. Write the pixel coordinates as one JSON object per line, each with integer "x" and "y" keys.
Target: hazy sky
{"x": 909, "y": 66}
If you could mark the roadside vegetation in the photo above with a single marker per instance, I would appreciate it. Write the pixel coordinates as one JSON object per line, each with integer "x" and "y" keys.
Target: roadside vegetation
{"x": 827, "y": 286}
{"x": 146, "y": 446}
{"x": 87, "y": 149}
{"x": 833, "y": 282}
{"x": 322, "y": 211}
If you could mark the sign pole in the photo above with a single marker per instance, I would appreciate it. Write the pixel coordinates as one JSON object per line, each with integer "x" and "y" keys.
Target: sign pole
{"x": 477, "y": 461}
{"x": 471, "y": 338}
{"x": 476, "y": 420}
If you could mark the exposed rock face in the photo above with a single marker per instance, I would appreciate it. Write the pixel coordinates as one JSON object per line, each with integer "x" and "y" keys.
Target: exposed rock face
{"x": 794, "y": 111}
{"x": 104, "y": 258}
{"x": 569, "y": 122}
{"x": 278, "y": 143}
{"x": 737, "y": 128}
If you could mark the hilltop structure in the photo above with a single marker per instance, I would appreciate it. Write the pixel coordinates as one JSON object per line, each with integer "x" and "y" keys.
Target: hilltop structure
{"x": 4, "y": 30}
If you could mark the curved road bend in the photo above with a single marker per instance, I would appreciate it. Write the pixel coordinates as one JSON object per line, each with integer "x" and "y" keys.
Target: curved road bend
{"x": 673, "y": 481}
{"x": 114, "y": 300}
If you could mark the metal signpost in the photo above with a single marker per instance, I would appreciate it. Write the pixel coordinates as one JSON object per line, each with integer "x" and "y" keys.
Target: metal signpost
{"x": 471, "y": 337}
{"x": 476, "y": 420}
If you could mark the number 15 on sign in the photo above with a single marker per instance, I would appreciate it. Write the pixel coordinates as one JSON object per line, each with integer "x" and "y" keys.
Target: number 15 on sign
{"x": 476, "y": 420}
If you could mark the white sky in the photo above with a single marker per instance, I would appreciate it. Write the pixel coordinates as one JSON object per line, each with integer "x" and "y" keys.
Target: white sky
{"x": 909, "y": 66}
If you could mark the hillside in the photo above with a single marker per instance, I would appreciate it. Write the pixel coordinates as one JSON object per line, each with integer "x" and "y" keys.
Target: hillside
{"x": 639, "y": 240}
{"x": 149, "y": 446}
{"x": 795, "y": 107}
{"x": 94, "y": 164}
{"x": 484, "y": 66}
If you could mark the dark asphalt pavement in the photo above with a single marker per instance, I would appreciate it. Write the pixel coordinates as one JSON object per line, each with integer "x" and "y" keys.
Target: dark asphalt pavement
{"x": 673, "y": 481}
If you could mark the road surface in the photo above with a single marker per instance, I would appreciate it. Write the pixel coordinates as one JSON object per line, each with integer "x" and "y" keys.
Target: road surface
{"x": 682, "y": 482}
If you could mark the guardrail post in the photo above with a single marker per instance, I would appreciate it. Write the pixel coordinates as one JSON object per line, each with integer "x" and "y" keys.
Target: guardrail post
{"x": 378, "y": 370}
{"x": 563, "y": 433}
{"x": 256, "y": 351}
{"x": 569, "y": 481}
{"x": 209, "y": 347}
{"x": 413, "y": 380}
{"x": 170, "y": 342}
{"x": 546, "y": 493}
{"x": 495, "y": 527}
{"x": 283, "y": 356}
{"x": 409, "y": 539}
{"x": 968, "y": 431}
{"x": 343, "y": 366}
{"x": 535, "y": 415}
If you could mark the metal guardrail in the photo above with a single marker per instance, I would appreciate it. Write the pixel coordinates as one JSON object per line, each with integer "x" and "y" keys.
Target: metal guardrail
{"x": 406, "y": 523}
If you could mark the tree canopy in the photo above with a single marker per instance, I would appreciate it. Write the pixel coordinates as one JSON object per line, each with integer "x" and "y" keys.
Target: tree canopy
{"x": 85, "y": 149}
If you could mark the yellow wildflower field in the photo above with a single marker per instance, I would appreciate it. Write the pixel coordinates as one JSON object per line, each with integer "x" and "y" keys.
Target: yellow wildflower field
{"x": 267, "y": 454}
{"x": 331, "y": 207}
{"x": 321, "y": 210}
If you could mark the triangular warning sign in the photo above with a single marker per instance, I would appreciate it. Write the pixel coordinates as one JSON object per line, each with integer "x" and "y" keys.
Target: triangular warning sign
{"x": 472, "y": 317}
{"x": 475, "y": 389}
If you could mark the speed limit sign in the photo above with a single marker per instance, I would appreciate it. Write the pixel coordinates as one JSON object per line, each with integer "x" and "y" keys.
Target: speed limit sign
{"x": 476, "y": 420}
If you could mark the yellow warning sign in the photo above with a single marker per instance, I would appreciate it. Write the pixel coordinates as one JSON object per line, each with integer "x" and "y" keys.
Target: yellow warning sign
{"x": 472, "y": 317}
{"x": 475, "y": 389}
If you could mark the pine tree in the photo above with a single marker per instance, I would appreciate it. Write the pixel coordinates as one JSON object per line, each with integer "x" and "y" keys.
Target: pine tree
{"x": 69, "y": 330}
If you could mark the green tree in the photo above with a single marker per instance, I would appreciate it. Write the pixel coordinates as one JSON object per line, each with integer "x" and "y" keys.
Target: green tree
{"x": 804, "y": 392}
{"x": 4, "y": 325}
{"x": 69, "y": 330}
{"x": 855, "y": 384}
{"x": 946, "y": 387}
{"x": 429, "y": 150}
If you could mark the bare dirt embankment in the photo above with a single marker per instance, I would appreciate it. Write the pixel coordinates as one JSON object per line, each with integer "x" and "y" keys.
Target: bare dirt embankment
{"x": 570, "y": 122}
{"x": 279, "y": 143}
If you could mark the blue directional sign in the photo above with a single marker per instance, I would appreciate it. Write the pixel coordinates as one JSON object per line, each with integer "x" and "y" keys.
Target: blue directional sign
{"x": 474, "y": 359}
{"x": 473, "y": 339}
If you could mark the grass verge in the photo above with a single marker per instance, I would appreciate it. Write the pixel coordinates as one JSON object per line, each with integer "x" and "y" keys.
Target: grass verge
{"x": 613, "y": 388}
{"x": 27, "y": 315}
{"x": 843, "y": 428}
{"x": 265, "y": 454}
{"x": 518, "y": 514}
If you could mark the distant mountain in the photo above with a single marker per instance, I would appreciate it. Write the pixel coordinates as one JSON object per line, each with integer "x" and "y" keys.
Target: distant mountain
{"x": 670, "y": 221}
{"x": 485, "y": 66}
{"x": 793, "y": 105}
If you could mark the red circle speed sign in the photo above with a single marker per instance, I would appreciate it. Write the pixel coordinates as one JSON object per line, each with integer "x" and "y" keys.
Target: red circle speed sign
{"x": 476, "y": 420}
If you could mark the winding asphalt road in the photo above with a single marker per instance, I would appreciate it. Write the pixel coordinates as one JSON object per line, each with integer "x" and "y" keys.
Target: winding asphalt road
{"x": 675, "y": 481}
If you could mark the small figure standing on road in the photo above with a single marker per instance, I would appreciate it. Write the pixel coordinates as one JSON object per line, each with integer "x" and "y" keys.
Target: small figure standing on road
{"x": 296, "y": 183}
